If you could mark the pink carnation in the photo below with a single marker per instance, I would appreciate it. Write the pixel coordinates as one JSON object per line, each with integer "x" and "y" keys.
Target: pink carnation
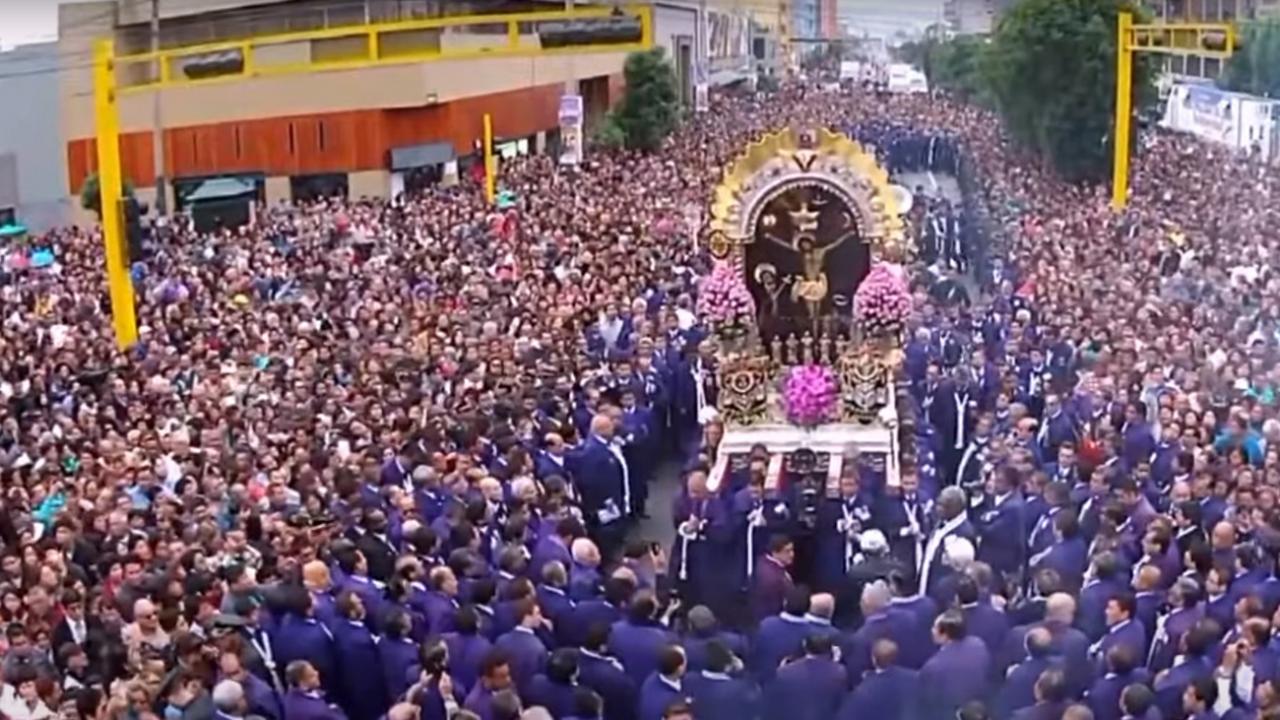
{"x": 809, "y": 395}
{"x": 723, "y": 296}
{"x": 882, "y": 302}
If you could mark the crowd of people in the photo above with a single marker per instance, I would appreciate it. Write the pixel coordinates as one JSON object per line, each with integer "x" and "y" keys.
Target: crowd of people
{"x": 385, "y": 459}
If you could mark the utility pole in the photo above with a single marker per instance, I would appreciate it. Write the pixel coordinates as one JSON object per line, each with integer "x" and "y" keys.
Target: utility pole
{"x": 571, "y": 84}
{"x": 157, "y": 115}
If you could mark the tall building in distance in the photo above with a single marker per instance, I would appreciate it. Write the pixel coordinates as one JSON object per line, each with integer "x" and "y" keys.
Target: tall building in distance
{"x": 805, "y": 21}
{"x": 1212, "y": 11}
{"x": 829, "y": 19}
{"x": 973, "y": 17}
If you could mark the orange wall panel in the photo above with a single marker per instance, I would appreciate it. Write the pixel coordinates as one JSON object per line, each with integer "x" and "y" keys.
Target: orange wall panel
{"x": 353, "y": 141}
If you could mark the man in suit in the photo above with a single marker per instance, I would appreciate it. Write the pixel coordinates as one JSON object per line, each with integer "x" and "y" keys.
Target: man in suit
{"x": 881, "y": 621}
{"x": 76, "y": 627}
{"x": 555, "y": 689}
{"x": 1185, "y": 612}
{"x": 1056, "y": 429}
{"x": 1123, "y": 630}
{"x": 780, "y": 636}
{"x": 839, "y": 523}
{"x": 1069, "y": 644}
{"x": 888, "y": 692}
{"x": 304, "y": 701}
{"x": 1068, "y": 555}
{"x": 1192, "y": 665}
{"x": 1121, "y": 672}
{"x": 957, "y": 673}
{"x": 526, "y": 652}
{"x": 717, "y": 693}
{"x": 695, "y": 390}
{"x": 600, "y": 472}
{"x": 902, "y": 512}
{"x": 1018, "y": 689}
{"x": 771, "y": 582}
{"x": 377, "y": 549}
{"x": 1105, "y": 583}
{"x": 702, "y": 627}
{"x": 918, "y": 612}
{"x": 554, "y": 546}
{"x": 809, "y": 688}
{"x": 664, "y": 686}
{"x": 704, "y": 535}
{"x": 952, "y": 521}
{"x": 1057, "y": 495}
{"x": 302, "y": 637}
{"x": 983, "y": 619}
{"x": 229, "y": 701}
{"x": 638, "y": 639}
{"x": 604, "y": 610}
{"x": 1138, "y": 441}
{"x": 602, "y": 673}
{"x": 495, "y": 680}
{"x": 1001, "y": 527}
{"x": 634, "y": 425}
{"x": 1051, "y": 698}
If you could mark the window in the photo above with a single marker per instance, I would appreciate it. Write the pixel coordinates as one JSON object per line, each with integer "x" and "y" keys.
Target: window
{"x": 320, "y": 138}
{"x": 293, "y": 140}
{"x": 239, "y": 143}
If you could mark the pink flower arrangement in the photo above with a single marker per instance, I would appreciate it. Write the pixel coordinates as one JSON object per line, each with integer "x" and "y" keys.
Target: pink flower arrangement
{"x": 809, "y": 395}
{"x": 882, "y": 302}
{"x": 723, "y": 297}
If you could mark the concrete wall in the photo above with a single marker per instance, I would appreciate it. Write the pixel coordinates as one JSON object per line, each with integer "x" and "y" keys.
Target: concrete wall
{"x": 410, "y": 85}
{"x": 374, "y": 183}
{"x": 37, "y": 183}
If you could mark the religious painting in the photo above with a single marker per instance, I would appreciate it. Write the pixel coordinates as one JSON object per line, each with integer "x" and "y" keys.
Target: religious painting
{"x": 804, "y": 261}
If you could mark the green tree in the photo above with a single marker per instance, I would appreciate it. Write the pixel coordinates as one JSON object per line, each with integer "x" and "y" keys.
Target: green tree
{"x": 1255, "y": 69}
{"x": 91, "y": 195}
{"x": 1050, "y": 69}
{"x": 609, "y": 133}
{"x": 955, "y": 66}
{"x": 649, "y": 110}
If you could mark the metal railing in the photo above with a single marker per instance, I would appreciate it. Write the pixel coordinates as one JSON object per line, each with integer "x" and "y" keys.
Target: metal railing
{"x": 555, "y": 32}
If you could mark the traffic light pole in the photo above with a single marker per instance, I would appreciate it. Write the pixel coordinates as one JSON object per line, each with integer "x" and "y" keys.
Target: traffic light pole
{"x": 490, "y": 162}
{"x": 119, "y": 284}
{"x": 1124, "y": 112}
{"x": 157, "y": 117}
{"x": 1203, "y": 40}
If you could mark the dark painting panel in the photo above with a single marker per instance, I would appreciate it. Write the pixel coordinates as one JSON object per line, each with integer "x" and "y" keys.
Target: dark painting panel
{"x": 807, "y": 258}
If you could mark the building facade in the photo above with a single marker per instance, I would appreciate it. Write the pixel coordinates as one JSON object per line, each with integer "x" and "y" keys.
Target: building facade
{"x": 33, "y": 185}
{"x": 1209, "y": 11}
{"x": 363, "y": 129}
{"x": 829, "y": 19}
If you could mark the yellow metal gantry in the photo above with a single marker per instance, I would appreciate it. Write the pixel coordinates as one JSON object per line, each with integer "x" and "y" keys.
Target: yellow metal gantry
{"x": 368, "y": 45}
{"x": 1207, "y": 40}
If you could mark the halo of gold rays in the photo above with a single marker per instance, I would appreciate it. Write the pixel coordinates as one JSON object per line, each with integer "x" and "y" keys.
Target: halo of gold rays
{"x": 792, "y": 155}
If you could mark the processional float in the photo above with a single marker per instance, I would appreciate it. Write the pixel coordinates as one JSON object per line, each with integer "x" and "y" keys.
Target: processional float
{"x": 806, "y": 306}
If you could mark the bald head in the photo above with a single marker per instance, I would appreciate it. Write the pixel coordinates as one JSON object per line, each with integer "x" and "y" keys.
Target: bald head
{"x": 1060, "y": 607}
{"x": 1039, "y": 642}
{"x": 585, "y": 552}
{"x": 875, "y": 597}
{"x": 602, "y": 425}
{"x": 403, "y": 711}
{"x": 822, "y": 605}
{"x": 1148, "y": 578}
{"x": 315, "y": 575}
{"x": 1224, "y": 536}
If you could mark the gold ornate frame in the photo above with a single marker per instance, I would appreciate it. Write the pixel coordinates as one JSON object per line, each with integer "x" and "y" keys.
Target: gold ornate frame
{"x": 779, "y": 161}
{"x": 819, "y": 157}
